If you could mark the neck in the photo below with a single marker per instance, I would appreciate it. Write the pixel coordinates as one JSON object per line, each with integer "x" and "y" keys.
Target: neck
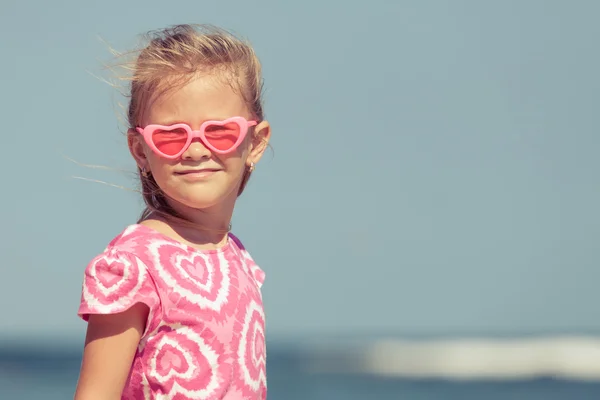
{"x": 202, "y": 227}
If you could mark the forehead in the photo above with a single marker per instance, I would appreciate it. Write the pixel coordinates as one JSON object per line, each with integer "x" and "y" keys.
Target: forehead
{"x": 201, "y": 99}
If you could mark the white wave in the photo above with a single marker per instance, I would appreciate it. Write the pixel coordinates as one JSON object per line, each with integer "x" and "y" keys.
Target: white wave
{"x": 567, "y": 357}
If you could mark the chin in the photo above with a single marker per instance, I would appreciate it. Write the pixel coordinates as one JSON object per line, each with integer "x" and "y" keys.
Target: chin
{"x": 202, "y": 198}
{"x": 200, "y": 204}
{"x": 202, "y": 194}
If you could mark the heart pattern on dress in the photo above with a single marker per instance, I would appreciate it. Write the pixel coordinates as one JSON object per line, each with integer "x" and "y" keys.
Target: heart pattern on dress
{"x": 205, "y": 334}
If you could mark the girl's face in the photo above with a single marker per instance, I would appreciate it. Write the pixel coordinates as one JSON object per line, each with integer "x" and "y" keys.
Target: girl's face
{"x": 200, "y": 178}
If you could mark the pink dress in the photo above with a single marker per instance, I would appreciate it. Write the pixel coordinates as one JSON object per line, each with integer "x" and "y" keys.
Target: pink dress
{"x": 205, "y": 334}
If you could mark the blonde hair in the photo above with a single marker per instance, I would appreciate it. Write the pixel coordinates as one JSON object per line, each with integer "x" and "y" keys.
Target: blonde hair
{"x": 174, "y": 56}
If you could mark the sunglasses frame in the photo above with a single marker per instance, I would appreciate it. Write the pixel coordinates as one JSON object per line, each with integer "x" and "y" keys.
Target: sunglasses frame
{"x": 242, "y": 122}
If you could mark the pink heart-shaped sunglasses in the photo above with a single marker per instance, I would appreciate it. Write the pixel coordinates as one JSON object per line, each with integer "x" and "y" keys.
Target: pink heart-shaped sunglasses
{"x": 171, "y": 141}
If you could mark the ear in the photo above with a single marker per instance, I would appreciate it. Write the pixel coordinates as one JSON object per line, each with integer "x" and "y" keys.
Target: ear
{"x": 260, "y": 141}
{"x": 136, "y": 144}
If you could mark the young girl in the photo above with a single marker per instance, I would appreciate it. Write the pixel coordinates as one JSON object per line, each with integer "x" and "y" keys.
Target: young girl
{"x": 173, "y": 304}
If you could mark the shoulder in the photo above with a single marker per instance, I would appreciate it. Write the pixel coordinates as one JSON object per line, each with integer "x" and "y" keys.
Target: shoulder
{"x": 133, "y": 242}
{"x": 155, "y": 225}
{"x": 257, "y": 273}
{"x": 118, "y": 277}
{"x": 238, "y": 243}
{"x": 116, "y": 272}
{"x": 130, "y": 239}
{"x": 124, "y": 256}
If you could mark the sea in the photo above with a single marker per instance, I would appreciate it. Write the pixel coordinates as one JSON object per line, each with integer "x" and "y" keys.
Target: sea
{"x": 50, "y": 373}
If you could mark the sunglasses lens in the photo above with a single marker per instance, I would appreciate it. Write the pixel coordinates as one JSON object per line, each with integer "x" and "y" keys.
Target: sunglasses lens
{"x": 169, "y": 142}
{"x": 223, "y": 137}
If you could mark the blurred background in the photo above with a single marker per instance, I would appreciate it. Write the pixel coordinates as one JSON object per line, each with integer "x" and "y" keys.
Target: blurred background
{"x": 428, "y": 219}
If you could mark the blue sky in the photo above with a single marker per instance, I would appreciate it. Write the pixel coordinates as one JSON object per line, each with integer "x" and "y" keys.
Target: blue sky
{"x": 435, "y": 166}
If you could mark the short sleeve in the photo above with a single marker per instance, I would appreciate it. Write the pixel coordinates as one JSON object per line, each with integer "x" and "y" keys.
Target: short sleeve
{"x": 113, "y": 282}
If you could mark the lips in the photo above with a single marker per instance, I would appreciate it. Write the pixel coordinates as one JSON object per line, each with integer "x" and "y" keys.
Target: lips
{"x": 197, "y": 171}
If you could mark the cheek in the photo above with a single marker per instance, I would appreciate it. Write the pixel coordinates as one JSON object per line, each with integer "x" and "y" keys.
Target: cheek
{"x": 158, "y": 165}
{"x": 236, "y": 161}
{"x": 244, "y": 148}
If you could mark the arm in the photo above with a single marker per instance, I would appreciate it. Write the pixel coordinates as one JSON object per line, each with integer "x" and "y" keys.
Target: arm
{"x": 110, "y": 345}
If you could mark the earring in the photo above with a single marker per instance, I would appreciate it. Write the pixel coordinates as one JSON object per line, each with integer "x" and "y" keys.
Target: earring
{"x": 251, "y": 167}
{"x": 144, "y": 172}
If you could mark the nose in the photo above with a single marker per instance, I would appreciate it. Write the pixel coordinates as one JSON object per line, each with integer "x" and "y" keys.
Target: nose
{"x": 196, "y": 151}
